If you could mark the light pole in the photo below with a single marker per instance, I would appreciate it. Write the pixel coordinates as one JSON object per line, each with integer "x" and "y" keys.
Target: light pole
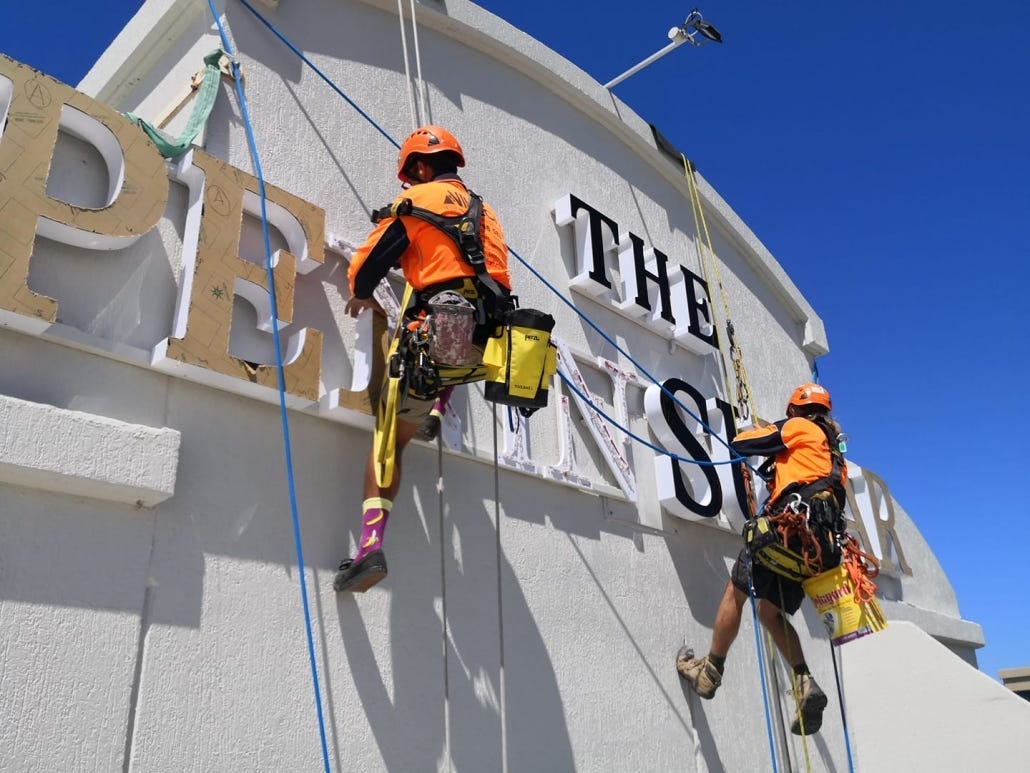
{"x": 685, "y": 33}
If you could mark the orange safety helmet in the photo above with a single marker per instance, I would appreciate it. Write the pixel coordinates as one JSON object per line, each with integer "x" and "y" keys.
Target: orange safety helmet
{"x": 424, "y": 141}
{"x": 810, "y": 394}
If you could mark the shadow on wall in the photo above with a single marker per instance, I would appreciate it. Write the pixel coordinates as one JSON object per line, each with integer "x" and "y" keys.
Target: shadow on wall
{"x": 446, "y": 587}
{"x": 707, "y": 745}
{"x": 92, "y": 555}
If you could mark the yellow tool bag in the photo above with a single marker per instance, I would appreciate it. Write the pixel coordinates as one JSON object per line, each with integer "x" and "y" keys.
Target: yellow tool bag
{"x": 765, "y": 543}
{"x": 521, "y": 361}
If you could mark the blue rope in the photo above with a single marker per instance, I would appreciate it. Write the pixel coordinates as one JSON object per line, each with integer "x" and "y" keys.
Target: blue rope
{"x": 628, "y": 356}
{"x": 549, "y": 286}
{"x": 840, "y": 700}
{"x": 318, "y": 72}
{"x": 642, "y": 441}
{"x": 282, "y": 385}
{"x": 761, "y": 666}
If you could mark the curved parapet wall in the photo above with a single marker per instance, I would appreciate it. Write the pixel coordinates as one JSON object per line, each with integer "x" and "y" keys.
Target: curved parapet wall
{"x": 538, "y": 592}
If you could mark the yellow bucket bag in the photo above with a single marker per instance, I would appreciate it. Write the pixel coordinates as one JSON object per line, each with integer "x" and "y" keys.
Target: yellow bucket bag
{"x": 521, "y": 361}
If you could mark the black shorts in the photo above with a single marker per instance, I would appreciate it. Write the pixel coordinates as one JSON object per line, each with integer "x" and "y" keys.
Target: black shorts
{"x": 774, "y": 588}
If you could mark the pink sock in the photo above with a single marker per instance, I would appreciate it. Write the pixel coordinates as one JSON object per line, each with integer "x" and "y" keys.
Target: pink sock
{"x": 440, "y": 405}
{"x": 376, "y": 511}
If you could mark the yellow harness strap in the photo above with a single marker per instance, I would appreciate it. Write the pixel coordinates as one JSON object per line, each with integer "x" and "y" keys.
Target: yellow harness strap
{"x": 384, "y": 438}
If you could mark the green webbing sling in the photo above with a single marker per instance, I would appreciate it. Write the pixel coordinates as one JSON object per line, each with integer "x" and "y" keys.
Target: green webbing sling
{"x": 202, "y": 105}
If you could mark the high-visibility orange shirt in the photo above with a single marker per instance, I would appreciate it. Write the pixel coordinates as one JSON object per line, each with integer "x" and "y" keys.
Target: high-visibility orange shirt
{"x": 799, "y": 446}
{"x": 431, "y": 257}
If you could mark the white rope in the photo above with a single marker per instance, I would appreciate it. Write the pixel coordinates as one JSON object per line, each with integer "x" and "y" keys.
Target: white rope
{"x": 407, "y": 69}
{"x": 422, "y": 93}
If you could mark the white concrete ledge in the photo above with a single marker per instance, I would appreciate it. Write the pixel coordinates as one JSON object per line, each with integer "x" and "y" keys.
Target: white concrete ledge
{"x": 951, "y": 629}
{"x": 69, "y": 452}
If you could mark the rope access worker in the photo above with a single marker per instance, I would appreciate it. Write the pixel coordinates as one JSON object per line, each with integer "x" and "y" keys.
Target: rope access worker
{"x": 805, "y": 450}
{"x": 441, "y": 269}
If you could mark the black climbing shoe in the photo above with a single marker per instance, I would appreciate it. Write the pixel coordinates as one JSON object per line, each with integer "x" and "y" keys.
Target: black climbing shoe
{"x": 430, "y": 428}
{"x": 359, "y": 577}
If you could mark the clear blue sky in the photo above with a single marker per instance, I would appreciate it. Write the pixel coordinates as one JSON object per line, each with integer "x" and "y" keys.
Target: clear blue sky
{"x": 881, "y": 151}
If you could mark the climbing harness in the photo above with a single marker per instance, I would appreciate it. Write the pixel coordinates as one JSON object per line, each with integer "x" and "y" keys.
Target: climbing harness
{"x": 834, "y": 482}
{"x": 461, "y": 331}
{"x": 205, "y": 85}
{"x": 801, "y": 534}
{"x": 798, "y": 541}
{"x": 463, "y": 230}
{"x": 517, "y": 364}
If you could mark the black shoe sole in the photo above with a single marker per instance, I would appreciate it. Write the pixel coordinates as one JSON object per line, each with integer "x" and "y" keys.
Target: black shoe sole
{"x": 429, "y": 430}
{"x": 812, "y": 716}
{"x": 361, "y": 576}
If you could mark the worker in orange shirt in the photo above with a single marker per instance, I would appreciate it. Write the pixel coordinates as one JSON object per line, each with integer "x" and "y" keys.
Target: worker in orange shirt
{"x": 808, "y": 463}
{"x": 444, "y": 264}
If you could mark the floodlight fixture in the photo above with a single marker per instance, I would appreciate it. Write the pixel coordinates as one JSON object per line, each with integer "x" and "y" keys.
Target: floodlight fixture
{"x": 687, "y": 32}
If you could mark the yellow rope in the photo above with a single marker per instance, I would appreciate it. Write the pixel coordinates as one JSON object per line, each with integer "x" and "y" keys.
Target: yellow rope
{"x": 794, "y": 686}
{"x": 695, "y": 209}
{"x": 743, "y": 391}
{"x": 743, "y": 395}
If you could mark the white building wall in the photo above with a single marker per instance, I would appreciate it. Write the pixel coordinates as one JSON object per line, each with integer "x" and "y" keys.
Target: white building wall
{"x": 525, "y": 625}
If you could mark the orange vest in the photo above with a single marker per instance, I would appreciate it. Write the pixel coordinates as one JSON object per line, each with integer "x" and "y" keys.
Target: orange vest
{"x": 432, "y": 257}
{"x": 799, "y": 446}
